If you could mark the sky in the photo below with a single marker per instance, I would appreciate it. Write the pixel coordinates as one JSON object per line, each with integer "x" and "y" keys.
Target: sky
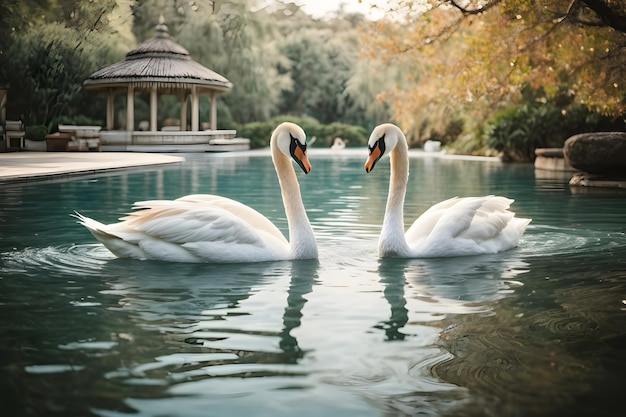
{"x": 320, "y": 8}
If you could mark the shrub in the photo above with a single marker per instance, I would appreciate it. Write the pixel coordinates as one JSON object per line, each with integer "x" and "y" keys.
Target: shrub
{"x": 449, "y": 133}
{"x": 36, "y": 132}
{"x": 353, "y": 135}
{"x": 517, "y": 131}
{"x": 78, "y": 120}
{"x": 259, "y": 132}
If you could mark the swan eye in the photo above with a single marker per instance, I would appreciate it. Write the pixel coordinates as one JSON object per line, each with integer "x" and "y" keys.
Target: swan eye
{"x": 380, "y": 144}
{"x": 295, "y": 143}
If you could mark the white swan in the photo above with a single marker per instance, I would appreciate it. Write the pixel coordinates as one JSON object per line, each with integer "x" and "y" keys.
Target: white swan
{"x": 454, "y": 227}
{"x": 210, "y": 228}
{"x": 338, "y": 144}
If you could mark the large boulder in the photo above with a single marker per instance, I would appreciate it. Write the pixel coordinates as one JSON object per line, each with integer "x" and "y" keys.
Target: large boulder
{"x": 600, "y": 153}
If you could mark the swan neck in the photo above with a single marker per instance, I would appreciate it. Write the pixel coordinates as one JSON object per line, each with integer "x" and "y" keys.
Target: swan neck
{"x": 392, "y": 241}
{"x": 301, "y": 237}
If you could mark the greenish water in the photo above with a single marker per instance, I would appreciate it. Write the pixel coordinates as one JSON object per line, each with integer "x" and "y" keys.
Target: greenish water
{"x": 536, "y": 331}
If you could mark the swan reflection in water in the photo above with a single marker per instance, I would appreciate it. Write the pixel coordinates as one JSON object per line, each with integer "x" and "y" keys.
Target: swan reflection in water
{"x": 158, "y": 331}
{"x": 425, "y": 296}
{"x": 303, "y": 276}
{"x": 231, "y": 310}
{"x": 436, "y": 288}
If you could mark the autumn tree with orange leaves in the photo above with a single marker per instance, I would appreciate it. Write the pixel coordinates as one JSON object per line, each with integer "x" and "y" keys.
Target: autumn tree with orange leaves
{"x": 463, "y": 59}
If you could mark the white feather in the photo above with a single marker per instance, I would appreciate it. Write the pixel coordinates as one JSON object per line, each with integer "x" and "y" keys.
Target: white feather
{"x": 454, "y": 227}
{"x": 210, "y": 228}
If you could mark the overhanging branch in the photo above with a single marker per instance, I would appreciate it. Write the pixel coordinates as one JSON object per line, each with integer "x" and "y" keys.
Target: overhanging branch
{"x": 477, "y": 10}
{"x": 608, "y": 15}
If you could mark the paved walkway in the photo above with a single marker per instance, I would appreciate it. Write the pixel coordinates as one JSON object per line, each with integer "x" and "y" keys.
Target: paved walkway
{"x": 35, "y": 166}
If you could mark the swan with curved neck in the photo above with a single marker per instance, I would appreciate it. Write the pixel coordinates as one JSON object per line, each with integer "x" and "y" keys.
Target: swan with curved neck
{"x": 210, "y": 228}
{"x": 454, "y": 227}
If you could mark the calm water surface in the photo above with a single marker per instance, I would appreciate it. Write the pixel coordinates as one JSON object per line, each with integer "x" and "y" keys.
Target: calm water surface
{"x": 536, "y": 331}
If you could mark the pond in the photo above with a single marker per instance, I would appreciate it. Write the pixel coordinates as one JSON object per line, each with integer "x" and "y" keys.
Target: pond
{"x": 539, "y": 330}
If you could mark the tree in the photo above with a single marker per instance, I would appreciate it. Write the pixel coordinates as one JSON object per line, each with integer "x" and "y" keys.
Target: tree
{"x": 230, "y": 38}
{"x": 475, "y": 56}
{"x": 279, "y": 59}
{"x": 47, "y": 55}
{"x": 364, "y": 102}
{"x": 328, "y": 82}
{"x": 319, "y": 66}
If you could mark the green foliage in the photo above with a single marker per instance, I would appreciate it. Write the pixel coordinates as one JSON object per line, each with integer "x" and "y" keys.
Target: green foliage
{"x": 480, "y": 59}
{"x": 280, "y": 61}
{"x": 40, "y": 72}
{"x": 353, "y": 135}
{"x": 36, "y": 132}
{"x": 44, "y": 64}
{"x": 259, "y": 132}
{"x": 78, "y": 119}
{"x": 360, "y": 102}
{"x": 320, "y": 65}
{"x": 518, "y": 130}
{"x": 450, "y": 131}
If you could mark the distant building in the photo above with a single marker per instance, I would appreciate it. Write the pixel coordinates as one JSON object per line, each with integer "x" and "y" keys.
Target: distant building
{"x": 161, "y": 66}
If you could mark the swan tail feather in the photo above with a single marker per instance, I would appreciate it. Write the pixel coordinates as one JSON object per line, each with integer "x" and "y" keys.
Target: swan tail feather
{"x": 120, "y": 247}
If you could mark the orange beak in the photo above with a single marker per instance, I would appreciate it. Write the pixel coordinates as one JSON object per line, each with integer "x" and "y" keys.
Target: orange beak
{"x": 374, "y": 156}
{"x": 299, "y": 154}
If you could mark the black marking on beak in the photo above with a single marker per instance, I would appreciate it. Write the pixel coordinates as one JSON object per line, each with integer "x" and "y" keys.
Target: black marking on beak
{"x": 375, "y": 153}
{"x": 298, "y": 153}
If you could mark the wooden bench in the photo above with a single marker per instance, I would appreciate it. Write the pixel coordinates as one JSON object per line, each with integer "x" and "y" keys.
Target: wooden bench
{"x": 15, "y": 135}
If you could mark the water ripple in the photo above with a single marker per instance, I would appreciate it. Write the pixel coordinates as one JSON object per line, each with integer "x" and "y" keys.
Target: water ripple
{"x": 545, "y": 240}
{"x": 65, "y": 259}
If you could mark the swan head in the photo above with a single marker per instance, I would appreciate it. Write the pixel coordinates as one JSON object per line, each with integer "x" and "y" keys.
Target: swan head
{"x": 382, "y": 141}
{"x": 290, "y": 139}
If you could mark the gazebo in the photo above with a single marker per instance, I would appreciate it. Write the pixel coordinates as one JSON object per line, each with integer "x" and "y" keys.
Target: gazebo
{"x": 160, "y": 66}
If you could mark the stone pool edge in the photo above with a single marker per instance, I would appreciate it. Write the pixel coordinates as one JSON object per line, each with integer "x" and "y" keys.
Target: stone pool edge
{"x": 23, "y": 167}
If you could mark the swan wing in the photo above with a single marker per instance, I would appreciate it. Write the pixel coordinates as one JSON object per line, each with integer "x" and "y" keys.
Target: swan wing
{"x": 466, "y": 226}
{"x": 237, "y": 209}
{"x": 490, "y": 217}
{"x": 201, "y": 228}
{"x": 423, "y": 226}
{"x": 193, "y": 230}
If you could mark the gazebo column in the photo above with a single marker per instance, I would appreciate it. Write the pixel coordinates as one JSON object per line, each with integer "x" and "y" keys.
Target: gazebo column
{"x": 110, "y": 109}
{"x": 130, "y": 108}
{"x": 153, "y": 108}
{"x": 195, "y": 109}
{"x": 213, "y": 111}
{"x": 176, "y": 74}
{"x": 182, "y": 97}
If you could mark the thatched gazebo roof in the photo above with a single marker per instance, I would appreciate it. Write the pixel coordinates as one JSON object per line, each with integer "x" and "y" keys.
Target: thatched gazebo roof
{"x": 161, "y": 61}
{"x": 161, "y": 66}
